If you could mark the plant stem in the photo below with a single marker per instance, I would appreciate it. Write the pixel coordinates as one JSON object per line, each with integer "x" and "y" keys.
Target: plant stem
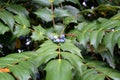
{"x": 59, "y": 56}
{"x": 53, "y": 19}
{"x": 108, "y": 78}
{"x": 72, "y": 35}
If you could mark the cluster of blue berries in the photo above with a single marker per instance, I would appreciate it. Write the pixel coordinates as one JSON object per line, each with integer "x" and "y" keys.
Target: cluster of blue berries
{"x": 57, "y": 38}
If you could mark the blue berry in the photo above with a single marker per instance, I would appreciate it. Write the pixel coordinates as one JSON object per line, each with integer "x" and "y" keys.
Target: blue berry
{"x": 62, "y": 36}
{"x": 56, "y": 40}
{"x": 62, "y": 40}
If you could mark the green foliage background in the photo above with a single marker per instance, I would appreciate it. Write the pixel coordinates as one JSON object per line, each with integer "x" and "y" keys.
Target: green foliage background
{"x": 90, "y": 50}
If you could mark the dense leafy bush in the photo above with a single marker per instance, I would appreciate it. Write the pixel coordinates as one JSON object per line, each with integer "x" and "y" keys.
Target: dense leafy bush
{"x": 59, "y": 40}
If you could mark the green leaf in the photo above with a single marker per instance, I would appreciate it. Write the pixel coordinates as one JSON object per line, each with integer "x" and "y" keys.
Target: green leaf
{"x": 46, "y": 52}
{"x": 18, "y": 56}
{"x": 96, "y": 38}
{"x": 3, "y": 28}
{"x": 59, "y": 28}
{"x": 21, "y": 30}
{"x": 76, "y": 75}
{"x": 30, "y": 53}
{"x": 69, "y": 46}
{"x": 45, "y": 14}
{"x": 22, "y": 20}
{"x": 87, "y": 74}
{"x": 116, "y": 17}
{"x": 60, "y": 13}
{"x": 110, "y": 40}
{"x": 99, "y": 77}
{"x": 47, "y": 2}
{"x": 102, "y": 20}
{"x": 7, "y": 61}
{"x": 81, "y": 18}
{"x": 87, "y": 11}
{"x": 83, "y": 38}
{"x": 74, "y": 1}
{"x": 89, "y": 27}
{"x": 78, "y": 3}
{"x": 47, "y": 46}
{"x": 39, "y": 33}
{"x": 96, "y": 77}
{"x": 75, "y": 60}
{"x": 48, "y": 43}
{"x": 7, "y": 18}
{"x": 115, "y": 75}
{"x": 44, "y": 57}
{"x": 6, "y": 76}
{"x": 101, "y": 68}
{"x": 80, "y": 26}
{"x": 20, "y": 72}
{"x": 42, "y": 2}
{"x": 73, "y": 10}
{"x": 57, "y": 2}
{"x": 94, "y": 63}
{"x": 102, "y": 2}
{"x": 58, "y": 70}
{"x": 107, "y": 7}
{"x": 109, "y": 24}
{"x": 84, "y": 34}
{"x": 17, "y": 9}
{"x": 28, "y": 65}
{"x": 109, "y": 58}
{"x": 69, "y": 20}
